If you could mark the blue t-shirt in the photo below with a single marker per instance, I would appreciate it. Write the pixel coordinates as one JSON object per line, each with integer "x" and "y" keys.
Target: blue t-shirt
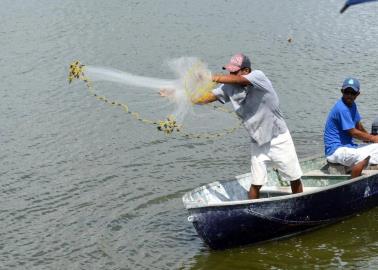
{"x": 341, "y": 119}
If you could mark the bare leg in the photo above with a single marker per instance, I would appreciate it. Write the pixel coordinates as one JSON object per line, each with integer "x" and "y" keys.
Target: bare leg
{"x": 296, "y": 186}
{"x": 254, "y": 192}
{"x": 357, "y": 169}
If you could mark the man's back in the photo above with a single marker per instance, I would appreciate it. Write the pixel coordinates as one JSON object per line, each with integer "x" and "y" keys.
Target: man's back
{"x": 257, "y": 105}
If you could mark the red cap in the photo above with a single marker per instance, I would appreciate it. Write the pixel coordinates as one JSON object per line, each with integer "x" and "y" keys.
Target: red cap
{"x": 237, "y": 62}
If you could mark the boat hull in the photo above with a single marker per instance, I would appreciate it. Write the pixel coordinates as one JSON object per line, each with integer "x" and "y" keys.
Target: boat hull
{"x": 230, "y": 225}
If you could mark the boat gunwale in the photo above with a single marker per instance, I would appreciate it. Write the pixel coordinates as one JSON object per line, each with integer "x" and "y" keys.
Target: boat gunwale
{"x": 240, "y": 176}
{"x": 189, "y": 205}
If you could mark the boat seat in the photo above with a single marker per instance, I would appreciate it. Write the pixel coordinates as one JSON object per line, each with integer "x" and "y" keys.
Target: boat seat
{"x": 325, "y": 175}
{"x": 372, "y": 167}
{"x": 335, "y": 169}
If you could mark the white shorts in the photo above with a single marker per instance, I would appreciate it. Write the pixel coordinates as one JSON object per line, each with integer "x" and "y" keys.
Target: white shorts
{"x": 280, "y": 153}
{"x": 348, "y": 156}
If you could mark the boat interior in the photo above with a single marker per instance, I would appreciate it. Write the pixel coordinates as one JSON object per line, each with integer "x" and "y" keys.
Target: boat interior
{"x": 317, "y": 174}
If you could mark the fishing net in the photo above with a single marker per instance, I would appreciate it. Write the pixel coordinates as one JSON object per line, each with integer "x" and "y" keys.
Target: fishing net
{"x": 193, "y": 79}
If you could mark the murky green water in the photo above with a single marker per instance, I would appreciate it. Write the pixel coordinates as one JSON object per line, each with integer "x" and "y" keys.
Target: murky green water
{"x": 86, "y": 187}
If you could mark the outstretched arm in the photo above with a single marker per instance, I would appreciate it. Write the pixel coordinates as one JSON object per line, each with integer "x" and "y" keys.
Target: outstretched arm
{"x": 225, "y": 79}
{"x": 209, "y": 97}
{"x": 205, "y": 98}
{"x": 231, "y": 79}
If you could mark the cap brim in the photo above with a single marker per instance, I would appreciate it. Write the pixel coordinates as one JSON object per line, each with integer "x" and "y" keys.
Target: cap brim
{"x": 231, "y": 68}
{"x": 354, "y": 88}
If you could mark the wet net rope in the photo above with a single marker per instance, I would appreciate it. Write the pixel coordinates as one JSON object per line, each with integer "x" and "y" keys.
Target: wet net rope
{"x": 169, "y": 125}
{"x": 305, "y": 221}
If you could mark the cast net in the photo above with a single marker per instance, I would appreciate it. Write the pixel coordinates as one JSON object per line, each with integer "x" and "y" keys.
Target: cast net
{"x": 193, "y": 79}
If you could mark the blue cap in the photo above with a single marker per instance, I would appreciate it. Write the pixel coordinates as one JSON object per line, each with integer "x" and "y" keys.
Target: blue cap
{"x": 351, "y": 83}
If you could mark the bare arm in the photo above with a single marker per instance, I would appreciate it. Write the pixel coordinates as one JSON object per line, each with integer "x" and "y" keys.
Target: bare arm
{"x": 231, "y": 79}
{"x": 205, "y": 98}
{"x": 209, "y": 97}
{"x": 363, "y": 135}
{"x": 226, "y": 79}
{"x": 360, "y": 127}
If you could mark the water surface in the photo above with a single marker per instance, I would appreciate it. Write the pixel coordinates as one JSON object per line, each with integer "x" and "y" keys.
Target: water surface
{"x": 84, "y": 186}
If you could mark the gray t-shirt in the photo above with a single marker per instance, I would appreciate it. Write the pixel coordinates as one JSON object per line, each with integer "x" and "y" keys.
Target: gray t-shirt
{"x": 257, "y": 105}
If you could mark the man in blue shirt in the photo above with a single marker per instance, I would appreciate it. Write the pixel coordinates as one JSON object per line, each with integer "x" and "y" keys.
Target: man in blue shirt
{"x": 343, "y": 124}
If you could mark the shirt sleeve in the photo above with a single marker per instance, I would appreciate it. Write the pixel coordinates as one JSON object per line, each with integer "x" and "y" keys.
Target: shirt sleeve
{"x": 358, "y": 117}
{"x": 220, "y": 94}
{"x": 346, "y": 120}
{"x": 249, "y": 77}
{"x": 258, "y": 78}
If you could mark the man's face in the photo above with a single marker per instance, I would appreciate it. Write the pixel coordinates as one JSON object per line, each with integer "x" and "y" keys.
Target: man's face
{"x": 243, "y": 71}
{"x": 349, "y": 96}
